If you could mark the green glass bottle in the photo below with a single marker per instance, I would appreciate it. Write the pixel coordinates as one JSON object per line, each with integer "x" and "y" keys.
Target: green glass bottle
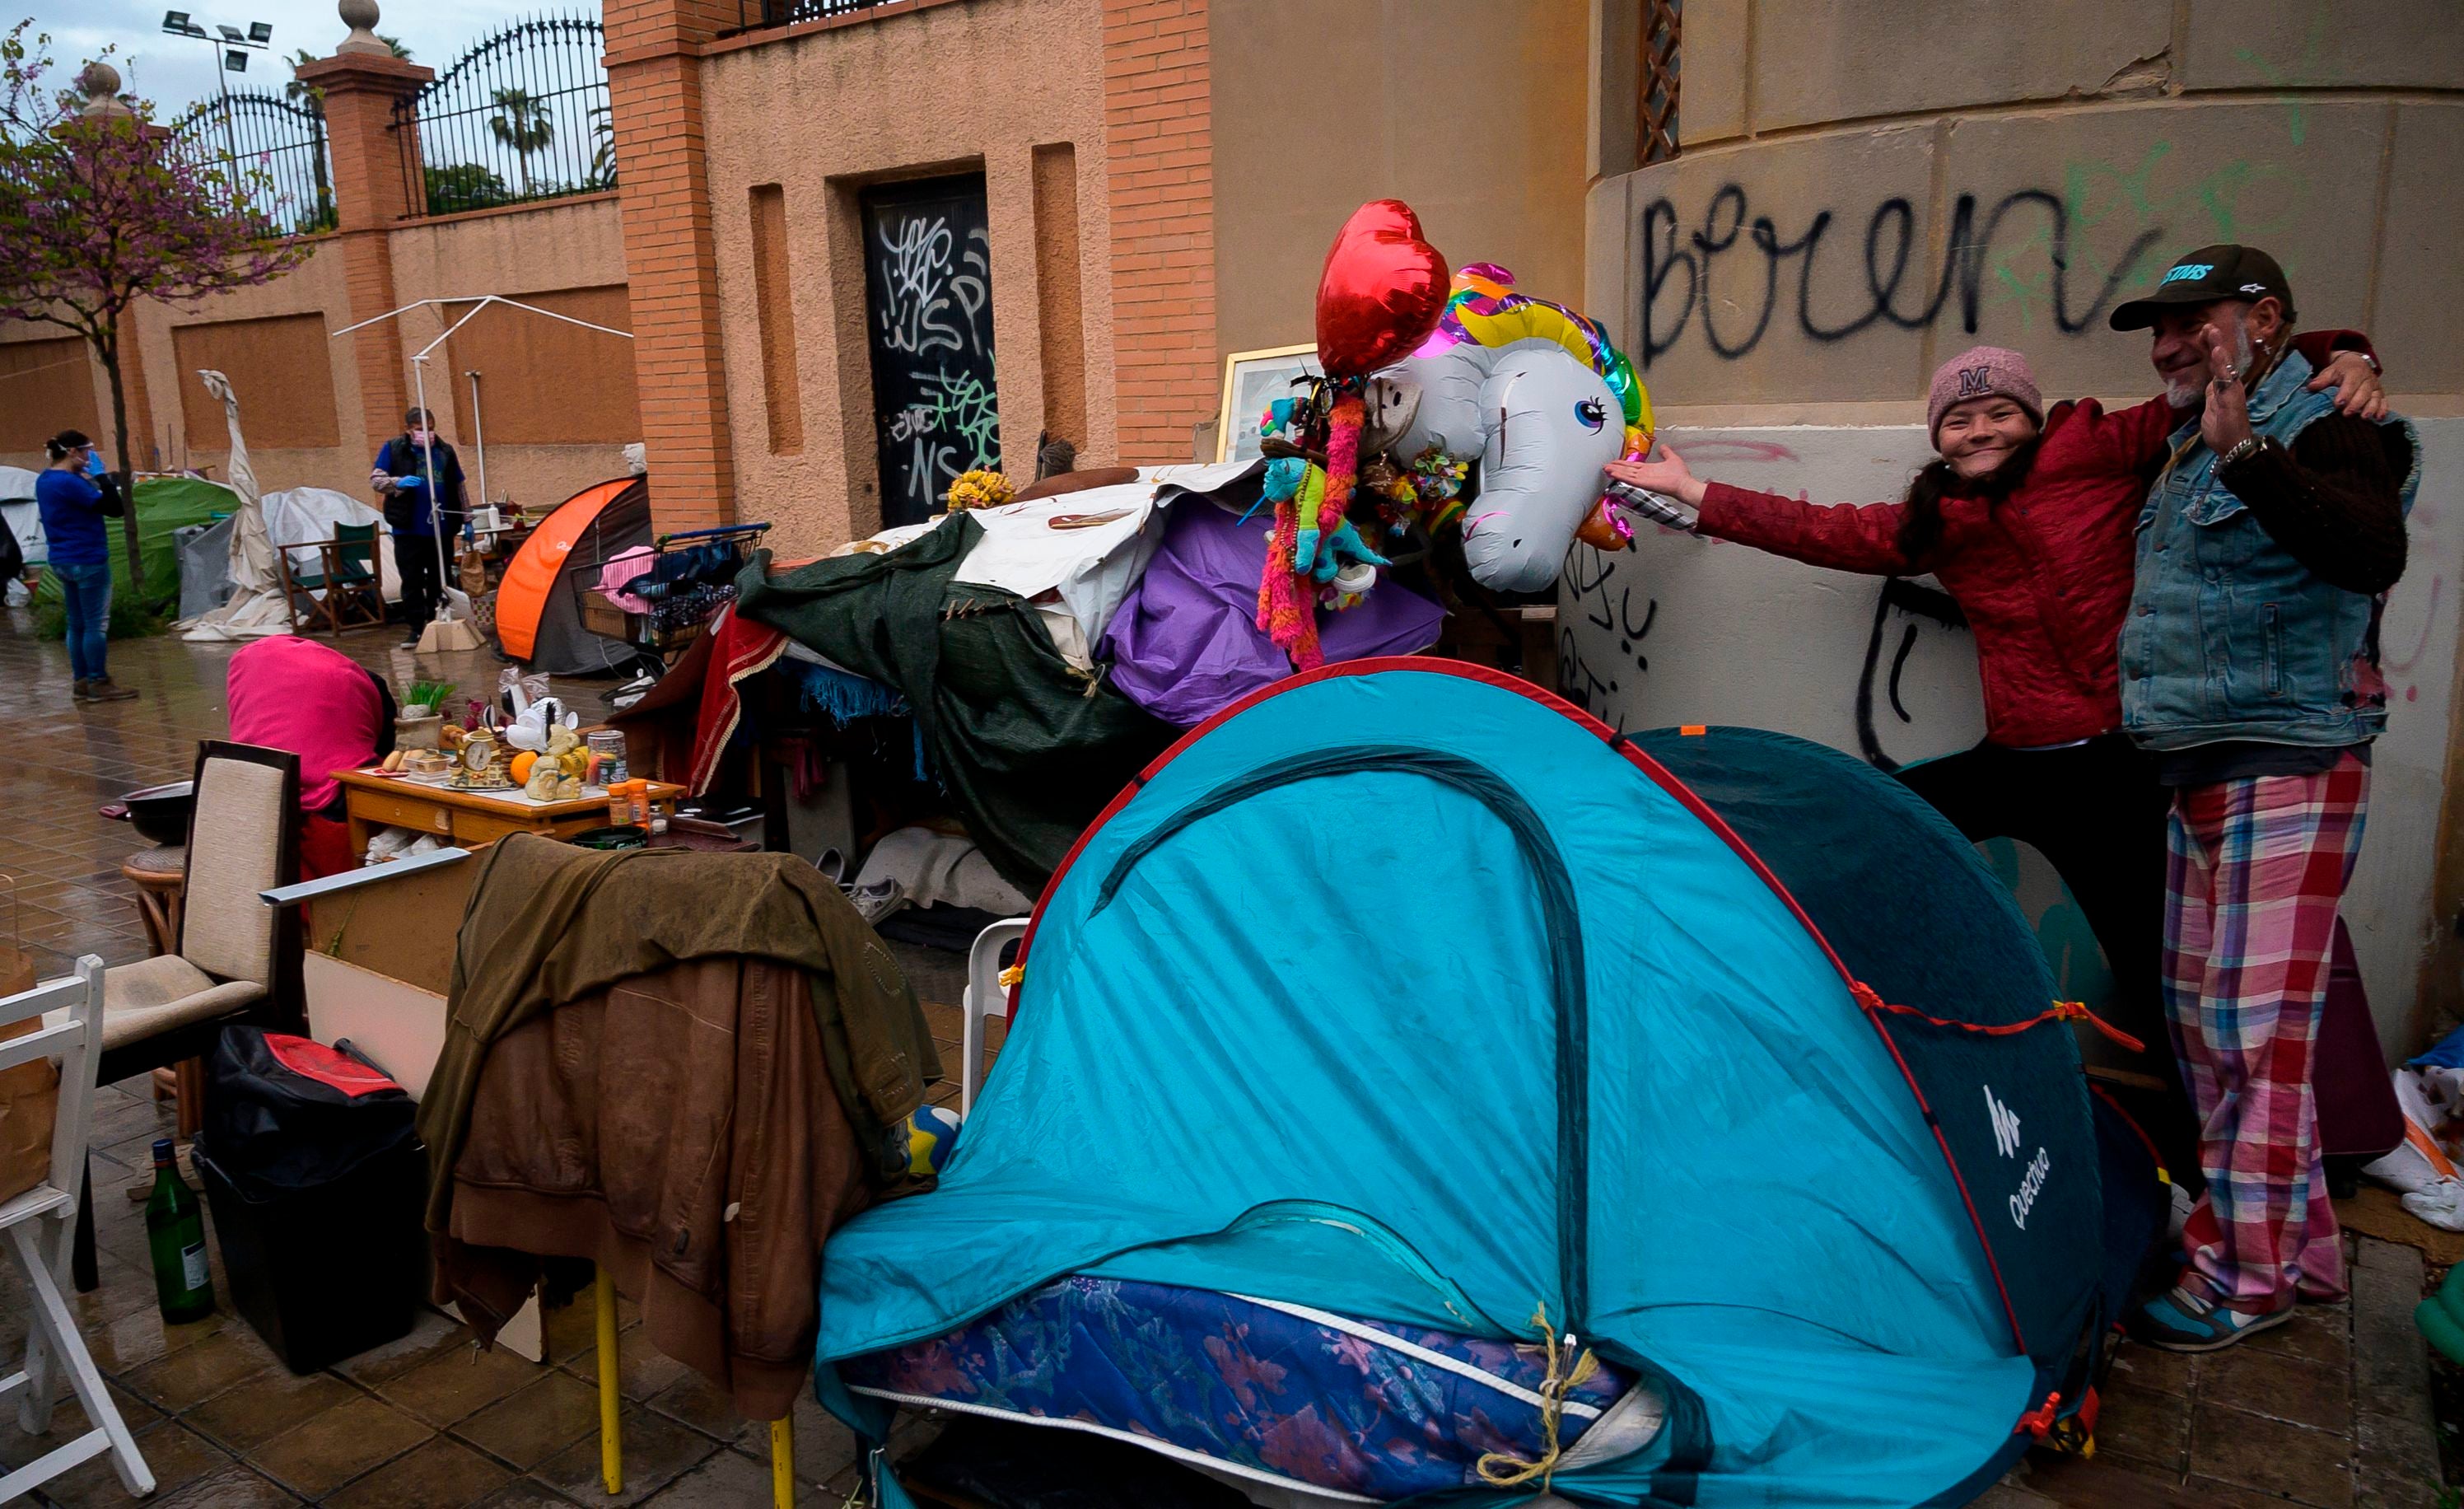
{"x": 175, "y": 1228}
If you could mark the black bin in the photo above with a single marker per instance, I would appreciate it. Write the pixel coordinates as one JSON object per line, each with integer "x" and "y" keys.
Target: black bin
{"x": 317, "y": 1184}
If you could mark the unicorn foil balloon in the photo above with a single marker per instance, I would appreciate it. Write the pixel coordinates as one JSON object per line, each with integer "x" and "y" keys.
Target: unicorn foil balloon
{"x": 1539, "y": 398}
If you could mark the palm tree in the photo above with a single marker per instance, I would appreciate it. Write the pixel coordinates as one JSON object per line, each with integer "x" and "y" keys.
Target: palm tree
{"x": 520, "y": 123}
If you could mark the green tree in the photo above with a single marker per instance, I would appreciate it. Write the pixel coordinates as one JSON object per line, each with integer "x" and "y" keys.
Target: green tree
{"x": 100, "y": 212}
{"x": 464, "y": 185}
{"x": 520, "y": 123}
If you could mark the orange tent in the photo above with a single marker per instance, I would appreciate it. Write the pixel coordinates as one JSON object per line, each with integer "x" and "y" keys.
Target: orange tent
{"x": 539, "y": 604}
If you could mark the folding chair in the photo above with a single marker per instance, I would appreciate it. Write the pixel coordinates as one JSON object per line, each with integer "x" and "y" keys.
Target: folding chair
{"x": 338, "y": 592}
{"x": 72, "y": 1031}
{"x": 355, "y": 584}
{"x": 985, "y": 996}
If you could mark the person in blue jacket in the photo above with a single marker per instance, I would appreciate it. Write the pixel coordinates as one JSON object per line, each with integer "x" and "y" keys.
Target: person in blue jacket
{"x": 75, "y": 494}
{"x": 418, "y": 508}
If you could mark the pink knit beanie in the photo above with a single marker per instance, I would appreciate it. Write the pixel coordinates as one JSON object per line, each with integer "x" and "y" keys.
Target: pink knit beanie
{"x": 1984, "y": 372}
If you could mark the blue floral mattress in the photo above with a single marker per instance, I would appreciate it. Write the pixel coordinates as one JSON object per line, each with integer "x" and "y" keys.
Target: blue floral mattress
{"x": 1265, "y": 1391}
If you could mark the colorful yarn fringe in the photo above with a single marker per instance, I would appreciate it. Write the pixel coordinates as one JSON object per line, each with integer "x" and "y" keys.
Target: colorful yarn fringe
{"x": 1288, "y": 592}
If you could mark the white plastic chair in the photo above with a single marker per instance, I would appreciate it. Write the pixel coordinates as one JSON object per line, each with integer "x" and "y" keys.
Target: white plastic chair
{"x": 984, "y": 997}
{"x": 72, "y": 1032}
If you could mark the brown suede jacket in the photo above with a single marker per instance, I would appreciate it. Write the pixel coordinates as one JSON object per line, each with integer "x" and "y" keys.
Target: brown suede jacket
{"x": 688, "y": 1068}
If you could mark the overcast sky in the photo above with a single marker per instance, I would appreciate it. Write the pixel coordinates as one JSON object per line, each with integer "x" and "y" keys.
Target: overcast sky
{"x": 175, "y": 72}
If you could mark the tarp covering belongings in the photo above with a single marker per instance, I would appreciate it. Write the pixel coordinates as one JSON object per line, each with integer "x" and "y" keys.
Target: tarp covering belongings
{"x": 1026, "y": 747}
{"x": 539, "y": 604}
{"x": 1406, "y": 995}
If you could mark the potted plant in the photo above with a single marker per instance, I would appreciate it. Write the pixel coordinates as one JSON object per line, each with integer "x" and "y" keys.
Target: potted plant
{"x": 415, "y": 725}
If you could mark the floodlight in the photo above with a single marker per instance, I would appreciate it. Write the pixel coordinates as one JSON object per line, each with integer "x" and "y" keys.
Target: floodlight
{"x": 260, "y": 31}
{"x": 175, "y": 20}
{"x": 230, "y": 33}
{"x": 235, "y": 60}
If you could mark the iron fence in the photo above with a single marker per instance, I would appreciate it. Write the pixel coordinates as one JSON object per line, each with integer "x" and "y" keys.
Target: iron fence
{"x": 521, "y": 116}
{"x": 274, "y": 150}
{"x": 754, "y": 15}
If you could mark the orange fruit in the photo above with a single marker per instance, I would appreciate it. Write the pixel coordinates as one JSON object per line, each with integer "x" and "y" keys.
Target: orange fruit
{"x": 522, "y": 763}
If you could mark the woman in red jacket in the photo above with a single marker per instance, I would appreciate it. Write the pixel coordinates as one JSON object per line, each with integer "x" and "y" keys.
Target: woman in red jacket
{"x": 2026, "y": 518}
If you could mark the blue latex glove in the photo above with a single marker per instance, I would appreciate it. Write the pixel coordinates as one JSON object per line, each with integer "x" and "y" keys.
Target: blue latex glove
{"x": 1343, "y": 547}
{"x": 408, "y": 483}
{"x": 94, "y": 463}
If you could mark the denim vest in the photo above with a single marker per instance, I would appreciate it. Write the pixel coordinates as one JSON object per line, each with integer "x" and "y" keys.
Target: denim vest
{"x": 2229, "y": 636}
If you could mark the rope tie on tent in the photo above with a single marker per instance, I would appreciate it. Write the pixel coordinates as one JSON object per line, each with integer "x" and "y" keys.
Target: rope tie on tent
{"x": 1011, "y": 976}
{"x": 1569, "y": 1369}
{"x": 2059, "y": 1012}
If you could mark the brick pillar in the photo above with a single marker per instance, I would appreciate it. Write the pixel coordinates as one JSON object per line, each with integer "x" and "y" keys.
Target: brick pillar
{"x": 1159, "y": 158}
{"x": 371, "y": 194}
{"x": 654, "y": 86}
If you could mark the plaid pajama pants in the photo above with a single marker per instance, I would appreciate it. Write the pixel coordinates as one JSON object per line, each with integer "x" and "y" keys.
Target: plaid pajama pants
{"x": 2256, "y": 868}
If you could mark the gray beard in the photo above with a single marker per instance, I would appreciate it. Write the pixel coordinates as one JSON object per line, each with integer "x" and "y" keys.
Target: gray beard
{"x": 2191, "y": 392}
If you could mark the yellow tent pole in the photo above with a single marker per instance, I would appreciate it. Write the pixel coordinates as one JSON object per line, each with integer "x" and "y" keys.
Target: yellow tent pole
{"x": 782, "y": 1462}
{"x": 611, "y": 1436}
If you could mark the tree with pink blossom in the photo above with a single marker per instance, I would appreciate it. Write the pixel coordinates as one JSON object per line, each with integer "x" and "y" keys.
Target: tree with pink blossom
{"x": 99, "y": 211}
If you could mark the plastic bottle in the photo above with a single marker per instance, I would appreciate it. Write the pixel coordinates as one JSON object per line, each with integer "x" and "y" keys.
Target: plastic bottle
{"x": 620, "y": 805}
{"x": 641, "y": 792}
{"x": 175, "y": 1231}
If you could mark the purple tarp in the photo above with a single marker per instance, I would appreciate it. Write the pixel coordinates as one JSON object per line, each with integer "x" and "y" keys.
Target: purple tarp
{"x": 1186, "y": 643}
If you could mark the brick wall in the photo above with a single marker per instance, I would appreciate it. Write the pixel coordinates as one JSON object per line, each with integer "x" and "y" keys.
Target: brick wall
{"x": 1159, "y": 149}
{"x": 654, "y": 85}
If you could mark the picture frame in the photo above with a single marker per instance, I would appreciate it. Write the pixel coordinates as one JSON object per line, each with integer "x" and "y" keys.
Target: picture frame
{"x": 1250, "y": 380}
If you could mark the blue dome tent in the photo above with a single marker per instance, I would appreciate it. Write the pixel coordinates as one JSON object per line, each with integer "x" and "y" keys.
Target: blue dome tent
{"x": 1404, "y": 993}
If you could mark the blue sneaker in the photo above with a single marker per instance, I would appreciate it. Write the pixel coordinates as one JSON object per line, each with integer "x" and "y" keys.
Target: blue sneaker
{"x": 2184, "y": 1320}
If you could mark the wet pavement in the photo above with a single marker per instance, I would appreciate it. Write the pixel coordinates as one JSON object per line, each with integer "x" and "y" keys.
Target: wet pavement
{"x": 2331, "y": 1412}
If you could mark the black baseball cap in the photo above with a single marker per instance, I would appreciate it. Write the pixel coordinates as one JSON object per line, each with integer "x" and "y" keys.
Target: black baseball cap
{"x": 2203, "y": 276}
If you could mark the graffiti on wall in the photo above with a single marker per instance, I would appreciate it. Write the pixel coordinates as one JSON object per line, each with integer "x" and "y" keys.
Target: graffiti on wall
{"x": 927, "y": 285}
{"x": 2060, "y": 253}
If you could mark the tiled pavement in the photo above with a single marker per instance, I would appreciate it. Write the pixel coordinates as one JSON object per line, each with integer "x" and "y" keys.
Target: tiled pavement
{"x": 2331, "y": 1412}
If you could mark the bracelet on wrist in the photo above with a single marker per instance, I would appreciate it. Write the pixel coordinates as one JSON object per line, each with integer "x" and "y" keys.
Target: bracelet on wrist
{"x": 2242, "y": 449}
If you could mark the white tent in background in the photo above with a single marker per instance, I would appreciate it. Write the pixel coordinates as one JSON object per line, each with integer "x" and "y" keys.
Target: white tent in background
{"x": 264, "y": 523}
{"x": 21, "y": 518}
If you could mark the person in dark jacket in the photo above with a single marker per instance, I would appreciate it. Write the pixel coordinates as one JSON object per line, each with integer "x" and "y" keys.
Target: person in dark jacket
{"x": 422, "y": 511}
{"x": 2250, "y": 674}
{"x": 75, "y": 494}
{"x": 2025, "y": 519}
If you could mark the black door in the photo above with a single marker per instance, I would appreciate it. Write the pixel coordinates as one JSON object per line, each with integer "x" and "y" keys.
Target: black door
{"x": 928, "y": 299}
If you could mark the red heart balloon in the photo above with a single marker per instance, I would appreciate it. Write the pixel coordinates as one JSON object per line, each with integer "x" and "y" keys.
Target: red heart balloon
{"x": 1381, "y": 292}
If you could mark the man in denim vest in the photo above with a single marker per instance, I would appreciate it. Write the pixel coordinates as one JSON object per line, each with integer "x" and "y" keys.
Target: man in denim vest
{"x": 2249, "y": 667}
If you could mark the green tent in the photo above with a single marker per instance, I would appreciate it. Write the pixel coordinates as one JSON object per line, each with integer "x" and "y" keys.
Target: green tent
{"x": 165, "y": 505}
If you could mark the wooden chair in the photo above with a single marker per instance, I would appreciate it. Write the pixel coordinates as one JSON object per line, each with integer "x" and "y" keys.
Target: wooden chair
{"x": 238, "y": 959}
{"x": 347, "y": 589}
{"x": 72, "y": 1013}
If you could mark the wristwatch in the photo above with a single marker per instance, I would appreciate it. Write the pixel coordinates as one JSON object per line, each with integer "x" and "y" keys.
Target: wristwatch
{"x": 2242, "y": 449}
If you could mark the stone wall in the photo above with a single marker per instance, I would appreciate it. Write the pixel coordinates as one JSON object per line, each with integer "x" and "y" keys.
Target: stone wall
{"x": 1865, "y": 190}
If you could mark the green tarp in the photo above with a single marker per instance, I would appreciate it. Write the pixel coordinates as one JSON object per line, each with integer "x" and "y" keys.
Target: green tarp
{"x": 1028, "y": 750}
{"x": 164, "y": 504}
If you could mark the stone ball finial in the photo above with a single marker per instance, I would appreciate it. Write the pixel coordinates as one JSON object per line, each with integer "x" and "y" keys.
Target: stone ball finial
{"x": 361, "y": 16}
{"x": 100, "y": 82}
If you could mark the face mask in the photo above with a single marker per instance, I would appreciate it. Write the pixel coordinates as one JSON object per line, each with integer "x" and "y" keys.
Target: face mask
{"x": 422, "y": 438}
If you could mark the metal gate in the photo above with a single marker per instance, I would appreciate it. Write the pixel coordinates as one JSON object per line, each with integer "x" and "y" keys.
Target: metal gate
{"x": 927, "y": 302}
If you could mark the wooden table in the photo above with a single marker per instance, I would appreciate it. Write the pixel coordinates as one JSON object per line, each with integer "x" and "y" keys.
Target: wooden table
{"x": 468, "y": 819}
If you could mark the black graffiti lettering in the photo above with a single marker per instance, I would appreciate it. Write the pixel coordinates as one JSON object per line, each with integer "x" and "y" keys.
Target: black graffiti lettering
{"x": 1890, "y": 244}
{"x": 1917, "y": 602}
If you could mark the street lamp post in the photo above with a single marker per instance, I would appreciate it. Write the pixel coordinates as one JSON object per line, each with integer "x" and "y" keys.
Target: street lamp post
{"x": 230, "y": 57}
